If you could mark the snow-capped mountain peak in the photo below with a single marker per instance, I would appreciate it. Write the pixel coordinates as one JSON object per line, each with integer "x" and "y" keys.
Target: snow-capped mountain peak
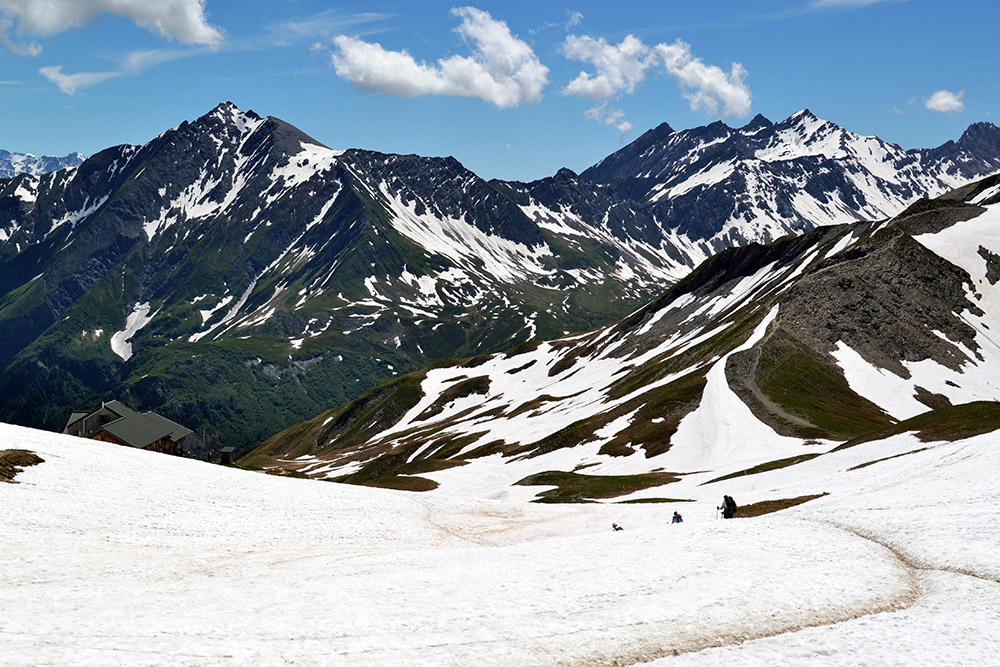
{"x": 768, "y": 179}
{"x": 12, "y": 164}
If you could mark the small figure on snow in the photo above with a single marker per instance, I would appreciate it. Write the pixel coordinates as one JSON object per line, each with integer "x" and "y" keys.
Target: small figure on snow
{"x": 728, "y": 507}
{"x": 677, "y": 518}
{"x": 616, "y": 526}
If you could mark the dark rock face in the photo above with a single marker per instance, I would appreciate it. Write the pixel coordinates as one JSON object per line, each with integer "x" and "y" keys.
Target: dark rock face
{"x": 885, "y": 301}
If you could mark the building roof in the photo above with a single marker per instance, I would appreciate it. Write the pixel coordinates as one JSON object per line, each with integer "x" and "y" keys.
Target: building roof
{"x": 74, "y": 418}
{"x": 137, "y": 430}
{"x": 131, "y": 427}
{"x": 120, "y": 408}
{"x": 177, "y": 432}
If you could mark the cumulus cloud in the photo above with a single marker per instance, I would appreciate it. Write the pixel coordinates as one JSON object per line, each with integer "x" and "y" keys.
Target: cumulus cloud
{"x": 502, "y": 69}
{"x": 618, "y": 68}
{"x": 945, "y": 101}
{"x": 706, "y": 87}
{"x": 183, "y": 20}
{"x": 70, "y": 83}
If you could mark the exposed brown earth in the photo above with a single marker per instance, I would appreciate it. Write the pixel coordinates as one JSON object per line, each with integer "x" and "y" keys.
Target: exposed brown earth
{"x": 13, "y": 461}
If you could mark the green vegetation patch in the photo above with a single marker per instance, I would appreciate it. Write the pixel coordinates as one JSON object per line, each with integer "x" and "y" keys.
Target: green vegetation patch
{"x": 403, "y": 483}
{"x": 765, "y": 467}
{"x": 944, "y": 425}
{"x": 523, "y": 348}
{"x": 13, "y": 461}
{"x": 665, "y": 365}
{"x": 637, "y": 501}
{"x": 476, "y": 385}
{"x": 667, "y": 405}
{"x": 489, "y": 449}
{"x": 534, "y": 404}
{"x": 352, "y": 424}
{"x": 802, "y": 383}
{"x": 573, "y": 487}
{"x": 769, "y": 506}
{"x": 429, "y": 465}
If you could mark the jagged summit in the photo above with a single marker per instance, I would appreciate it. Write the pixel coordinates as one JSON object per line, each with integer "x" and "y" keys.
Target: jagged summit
{"x": 981, "y": 136}
{"x": 235, "y": 250}
{"x": 12, "y": 164}
{"x": 766, "y": 179}
{"x": 758, "y": 122}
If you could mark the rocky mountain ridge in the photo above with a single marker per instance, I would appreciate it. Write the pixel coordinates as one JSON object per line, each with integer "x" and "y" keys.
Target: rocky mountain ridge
{"x": 763, "y": 356}
{"x": 234, "y": 262}
{"x": 728, "y": 186}
{"x": 237, "y": 276}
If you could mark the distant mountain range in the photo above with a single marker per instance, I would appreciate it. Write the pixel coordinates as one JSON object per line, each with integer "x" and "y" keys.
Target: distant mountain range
{"x": 728, "y": 186}
{"x": 764, "y": 353}
{"x": 237, "y": 276}
{"x": 12, "y": 164}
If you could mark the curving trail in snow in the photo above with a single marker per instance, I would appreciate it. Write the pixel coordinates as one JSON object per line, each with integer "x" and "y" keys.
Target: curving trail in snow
{"x": 117, "y": 556}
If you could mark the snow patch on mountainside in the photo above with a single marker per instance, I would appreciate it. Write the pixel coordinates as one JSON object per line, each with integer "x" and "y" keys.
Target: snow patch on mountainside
{"x": 466, "y": 245}
{"x": 137, "y": 319}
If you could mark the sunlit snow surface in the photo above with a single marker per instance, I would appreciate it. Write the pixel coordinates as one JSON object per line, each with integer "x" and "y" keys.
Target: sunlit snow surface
{"x": 118, "y": 556}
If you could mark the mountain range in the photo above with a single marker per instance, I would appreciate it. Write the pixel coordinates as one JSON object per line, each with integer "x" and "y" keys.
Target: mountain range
{"x": 238, "y": 276}
{"x": 765, "y": 356}
{"x": 12, "y": 164}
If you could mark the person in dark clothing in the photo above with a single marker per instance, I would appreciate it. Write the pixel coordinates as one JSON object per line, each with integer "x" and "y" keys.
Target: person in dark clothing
{"x": 728, "y": 507}
{"x": 616, "y": 526}
{"x": 677, "y": 518}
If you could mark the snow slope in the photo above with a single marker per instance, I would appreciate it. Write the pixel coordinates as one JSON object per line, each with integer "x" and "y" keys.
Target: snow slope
{"x": 117, "y": 556}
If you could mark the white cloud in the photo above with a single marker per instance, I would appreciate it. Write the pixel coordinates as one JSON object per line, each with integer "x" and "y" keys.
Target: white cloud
{"x": 706, "y": 87}
{"x": 610, "y": 117}
{"x": 323, "y": 24}
{"x": 137, "y": 61}
{"x": 945, "y": 101}
{"x": 70, "y": 83}
{"x": 502, "y": 70}
{"x": 619, "y": 68}
{"x": 183, "y": 20}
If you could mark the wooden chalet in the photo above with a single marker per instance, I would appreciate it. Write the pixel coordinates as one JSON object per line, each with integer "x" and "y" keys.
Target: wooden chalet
{"x": 116, "y": 422}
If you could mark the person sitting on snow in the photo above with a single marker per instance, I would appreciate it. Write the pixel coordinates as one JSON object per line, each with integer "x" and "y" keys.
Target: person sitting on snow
{"x": 616, "y": 526}
{"x": 677, "y": 518}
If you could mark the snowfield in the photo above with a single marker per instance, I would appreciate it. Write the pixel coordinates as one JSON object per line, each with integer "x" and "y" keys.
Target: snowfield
{"x": 115, "y": 556}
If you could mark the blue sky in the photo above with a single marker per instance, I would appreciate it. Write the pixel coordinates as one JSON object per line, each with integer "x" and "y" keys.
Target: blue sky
{"x": 514, "y": 90}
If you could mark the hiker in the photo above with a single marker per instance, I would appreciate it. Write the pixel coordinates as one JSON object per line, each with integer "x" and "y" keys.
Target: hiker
{"x": 616, "y": 526}
{"x": 728, "y": 507}
{"x": 677, "y": 518}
